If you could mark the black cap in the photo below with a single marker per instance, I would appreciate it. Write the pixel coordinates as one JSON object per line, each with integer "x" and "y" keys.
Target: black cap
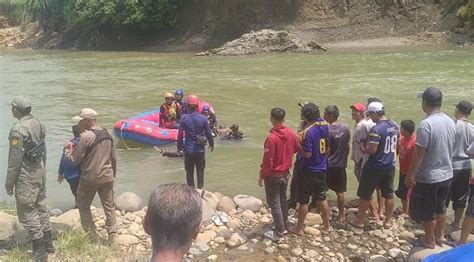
{"x": 432, "y": 95}
{"x": 464, "y": 107}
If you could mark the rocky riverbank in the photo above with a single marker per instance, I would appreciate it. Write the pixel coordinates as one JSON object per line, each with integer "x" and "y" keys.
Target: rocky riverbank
{"x": 233, "y": 229}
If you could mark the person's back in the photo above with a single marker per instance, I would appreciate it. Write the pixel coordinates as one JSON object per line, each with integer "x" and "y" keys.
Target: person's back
{"x": 68, "y": 169}
{"x": 436, "y": 133}
{"x": 388, "y": 134}
{"x": 463, "y": 139}
{"x": 339, "y": 137}
{"x": 315, "y": 139}
{"x": 194, "y": 125}
{"x": 283, "y": 146}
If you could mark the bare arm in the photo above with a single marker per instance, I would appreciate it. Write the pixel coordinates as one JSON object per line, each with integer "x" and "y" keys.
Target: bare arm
{"x": 418, "y": 156}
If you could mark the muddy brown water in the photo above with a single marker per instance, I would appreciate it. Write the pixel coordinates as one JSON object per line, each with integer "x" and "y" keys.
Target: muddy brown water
{"x": 242, "y": 90}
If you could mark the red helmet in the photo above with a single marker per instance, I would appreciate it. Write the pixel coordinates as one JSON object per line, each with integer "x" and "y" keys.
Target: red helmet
{"x": 193, "y": 100}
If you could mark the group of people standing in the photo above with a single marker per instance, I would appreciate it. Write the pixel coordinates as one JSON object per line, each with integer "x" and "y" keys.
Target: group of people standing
{"x": 435, "y": 166}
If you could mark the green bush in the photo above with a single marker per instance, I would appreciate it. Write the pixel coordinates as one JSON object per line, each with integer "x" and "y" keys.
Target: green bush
{"x": 466, "y": 12}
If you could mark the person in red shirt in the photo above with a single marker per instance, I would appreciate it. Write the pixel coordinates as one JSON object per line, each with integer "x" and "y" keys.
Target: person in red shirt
{"x": 405, "y": 150}
{"x": 280, "y": 146}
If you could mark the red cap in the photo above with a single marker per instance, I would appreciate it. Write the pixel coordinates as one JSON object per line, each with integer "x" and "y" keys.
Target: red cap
{"x": 359, "y": 107}
{"x": 193, "y": 100}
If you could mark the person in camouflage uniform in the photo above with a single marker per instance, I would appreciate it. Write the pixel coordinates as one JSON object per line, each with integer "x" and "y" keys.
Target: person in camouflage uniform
{"x": 26, "y": 176}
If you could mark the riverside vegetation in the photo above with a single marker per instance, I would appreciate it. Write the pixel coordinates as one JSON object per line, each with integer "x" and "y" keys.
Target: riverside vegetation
{"x": 232, "y": 229}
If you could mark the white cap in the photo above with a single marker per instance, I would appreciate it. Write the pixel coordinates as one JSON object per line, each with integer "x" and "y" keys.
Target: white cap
{"x": 375, "y": 107}
{"x": 86, "y": 113}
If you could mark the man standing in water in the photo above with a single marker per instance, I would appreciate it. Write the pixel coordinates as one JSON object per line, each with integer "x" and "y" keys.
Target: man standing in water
{"x": 280, "y": 146}
{"x": 339, "y": 137}
{"x": 432, "y": 169}
{"x": 196, "y": 135}
{"x": 95, "y": 154}
{"x": 26, "y": 177}
{"x": 379, "y": 170}
{"x": 311, "y": 181}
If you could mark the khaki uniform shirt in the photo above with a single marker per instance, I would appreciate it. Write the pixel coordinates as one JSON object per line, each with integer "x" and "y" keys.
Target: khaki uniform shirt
{"x": 24, "y": 135}
{"x": 99, "y": 165}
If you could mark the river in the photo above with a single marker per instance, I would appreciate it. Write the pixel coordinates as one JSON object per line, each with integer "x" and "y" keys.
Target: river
{"x": 242, "y": 90}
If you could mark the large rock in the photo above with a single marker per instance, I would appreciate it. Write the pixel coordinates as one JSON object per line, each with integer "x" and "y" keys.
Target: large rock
{"x": 313, "y": 219}
{"x": 206, "y": 237}
{"x": 66, "y": 221}
{"x": 208, "y": 211}
{"x": 248, "y": 202}
{"x": 236, "y": 240}
{"x": 209, "y": 197}
{"x": 456, "y": 235}
{"x": 417, "y": 254}
{"x": 265, "y": 41}
{"x": 128, "y": 202}
{"x": 7, "y": 229}
{"x": 226, "y": 204}
{"x": 126, "y": 240}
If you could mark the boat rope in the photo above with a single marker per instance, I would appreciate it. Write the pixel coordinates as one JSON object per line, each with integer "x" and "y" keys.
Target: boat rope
{"x": 123, "y": 140}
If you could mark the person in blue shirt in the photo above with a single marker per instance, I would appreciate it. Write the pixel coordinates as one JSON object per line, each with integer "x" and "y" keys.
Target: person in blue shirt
{"x": 67, "y": 169}
{"x": 179, "y": 98}
{"x": 193, "y": 135}
{"x": 379, "y": 169}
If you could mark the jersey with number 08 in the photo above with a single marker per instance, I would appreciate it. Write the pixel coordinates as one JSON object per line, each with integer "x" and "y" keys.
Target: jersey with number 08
{"x": 386, "y": 135}
{"x": 316, "y": 142}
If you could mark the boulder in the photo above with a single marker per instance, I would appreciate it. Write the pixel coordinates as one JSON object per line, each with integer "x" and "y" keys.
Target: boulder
{"x": 66, "y": 221}
{"x": 246, "y": 202}
{"x": 418, "y": 254}
{"x": 208, "y": 211}
{"x": 312, "y": 231}
{"x": 248, "y": 215}
{"x": 313, "y": 219}
{"x": 206, "y": 237}
{"x": 209, "y": 197}
{"x": 225, "y": 204}
{"x": 7, "y": 228}
{"x": 128, "y": 202}
{"x": 456, "y": 235}
{"x": 236, "y": 240}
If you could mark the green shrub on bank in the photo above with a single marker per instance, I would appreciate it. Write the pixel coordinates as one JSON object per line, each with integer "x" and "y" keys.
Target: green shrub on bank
{"x": 466, "y": 12}
{"x": 146, "y": 14}
{"x": 16, "y": 254}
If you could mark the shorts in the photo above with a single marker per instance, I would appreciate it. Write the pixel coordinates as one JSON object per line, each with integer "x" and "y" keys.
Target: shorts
{"x": 311, "y": 184}
{"x": 459, "y": 191}
{"x": 337, "y": 179}
{"x": 372, "y": 178}
{"x": 402, "y": 190}
{"x": 470, "y": 205}
{"x": 428, "y": 200}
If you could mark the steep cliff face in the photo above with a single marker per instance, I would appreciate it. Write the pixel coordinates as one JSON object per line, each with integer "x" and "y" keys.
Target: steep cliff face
{"x": 205, "y": 24}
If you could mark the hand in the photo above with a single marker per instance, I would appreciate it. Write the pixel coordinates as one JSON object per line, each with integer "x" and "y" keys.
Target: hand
{"x": 211, "y": 148}
{"x": 68, "y": 145}
{"x": 260, "y": 182}
{"x": 409, "y": 181}
{"x": 60, "y": 178}
{"x": 9, "y": 190}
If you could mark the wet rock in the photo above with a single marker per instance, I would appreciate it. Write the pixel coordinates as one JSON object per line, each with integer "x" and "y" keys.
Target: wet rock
{"x": 246, "y": 202}
{"x": 297, "y": 252}
{"x": 226, "y": 204}
{"x": 128, "y": 202}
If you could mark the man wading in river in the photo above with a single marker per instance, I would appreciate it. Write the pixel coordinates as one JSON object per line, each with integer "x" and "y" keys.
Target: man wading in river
{"x": 196, "y": 129}
{"x": 96, "y": 155}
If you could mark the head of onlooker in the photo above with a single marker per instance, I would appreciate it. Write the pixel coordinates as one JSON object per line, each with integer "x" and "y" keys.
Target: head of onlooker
{"x": 358, "y": 112}
{"x": 21, "y": 107}
{"x": 407, "y": 128}
{"x": 178, "y": 95}
{"x": 193, "y": 103}
{"x": 432, "y": 99}
{"x": 373, "y": 99}
{"x": 173, "y": 220}
{"x": 86, "y": 119}
{"x": 376, "y": 111}
{"x": 310, "y": 112}
{"x": 205, "y": 110}
{"x": 331, "y": 113}
{"x": 463, "y": 110}
{"x": 277, "y": 116}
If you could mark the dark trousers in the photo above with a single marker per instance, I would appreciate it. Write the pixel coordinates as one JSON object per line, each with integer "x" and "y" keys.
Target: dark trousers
{"x": 275, "y": 191}
{"x": 73, "y": 185}
{"x": 198, "y": 160}
{"x": 296, "y": 169}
